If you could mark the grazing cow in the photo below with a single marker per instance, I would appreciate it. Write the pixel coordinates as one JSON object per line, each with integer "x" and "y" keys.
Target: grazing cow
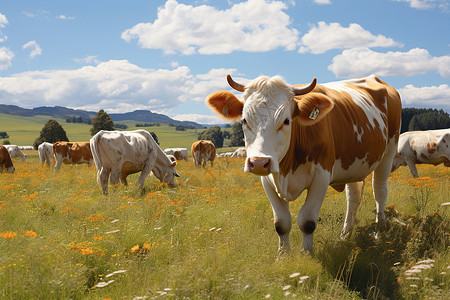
{"x": 121, "y": 153}
{"x": 179, "y": 153}
{"x": 239, "y": 153}
{"x": 72, "y": 153}
{"x": 45, "y": 151}
{"x": 202, "y": 152}
{"x": 422, "y": 147}
{"x": 14, "y": 151}
{"x": 311, "y": 136}
{"x": 5, "y": 160}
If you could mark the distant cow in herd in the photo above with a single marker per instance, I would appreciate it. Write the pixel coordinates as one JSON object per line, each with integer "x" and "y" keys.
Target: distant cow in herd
{"x": 202, "y": 152}
{"x": 118, "y": 154}
{"x": 45, "y": 151}
{"x": 422, "y": 147}
{"x": 178, "y": 153}
{"x": 72, "y": 153}
{"x": 5, "y": 160}
{"x": 14, "y": 151}
{"x": 312, "y": 136}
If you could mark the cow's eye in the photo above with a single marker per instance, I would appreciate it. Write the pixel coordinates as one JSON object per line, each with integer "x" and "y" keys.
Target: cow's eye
{"x": 244, "y": 121}
{"x": 286, "y": 122}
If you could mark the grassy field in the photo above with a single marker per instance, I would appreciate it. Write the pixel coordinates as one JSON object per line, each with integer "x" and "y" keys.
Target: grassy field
{"x": 212, "y": 236}
{"x": 23, "y": 131}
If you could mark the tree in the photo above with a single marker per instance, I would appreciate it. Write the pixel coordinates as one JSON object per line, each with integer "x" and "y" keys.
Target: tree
{"x": 154, "y": 137}
{"x": 102, "y": 121}
{"x": 237, "y": 135}
{"x": 51, "y": 132}
{"x": 214, "y": 134}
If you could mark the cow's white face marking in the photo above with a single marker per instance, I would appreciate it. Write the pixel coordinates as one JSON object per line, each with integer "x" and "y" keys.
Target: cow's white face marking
{"x": 267, "y": 119}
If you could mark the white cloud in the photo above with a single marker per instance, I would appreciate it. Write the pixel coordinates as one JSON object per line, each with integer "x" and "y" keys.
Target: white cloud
{"x": 363, "y": 61}
{"x": 321, "y": 2}
{"x": 203, "y": 29}
{"x": 201, "y": 119}
{"x": 427, "y": 4}
{"x": 3, "y": 23}
{"x": 36, "y": 49}
{"x": 115, "y": 86}
{"x": 6, "y": 57}
{"x": 91, "y": 59}
{"x": 325, "y": 37}
{"x": 427, "y": 97}
{"x": 63, "y": 17}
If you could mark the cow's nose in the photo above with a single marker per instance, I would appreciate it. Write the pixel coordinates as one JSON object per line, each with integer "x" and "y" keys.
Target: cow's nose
{"x": 259, "y": 165}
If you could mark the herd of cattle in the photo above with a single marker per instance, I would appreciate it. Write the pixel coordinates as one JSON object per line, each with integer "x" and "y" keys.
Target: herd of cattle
{"x": 303, "y": 137}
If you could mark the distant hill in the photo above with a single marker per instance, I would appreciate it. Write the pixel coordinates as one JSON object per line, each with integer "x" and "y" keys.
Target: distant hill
{"x": 64, "y": 112}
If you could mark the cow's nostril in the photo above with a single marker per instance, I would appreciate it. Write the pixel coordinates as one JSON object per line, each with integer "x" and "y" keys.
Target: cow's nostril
{"x": 267, "y": 165}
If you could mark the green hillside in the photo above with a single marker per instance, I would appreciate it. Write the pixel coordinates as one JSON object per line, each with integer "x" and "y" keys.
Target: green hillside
{"x": 23, "y": 131}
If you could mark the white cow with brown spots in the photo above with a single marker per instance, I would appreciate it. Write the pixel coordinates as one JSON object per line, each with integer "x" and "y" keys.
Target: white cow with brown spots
{"x": 422, "y": 147}
{"x": 311, "y": 136}
{"x": 118, "y": 154}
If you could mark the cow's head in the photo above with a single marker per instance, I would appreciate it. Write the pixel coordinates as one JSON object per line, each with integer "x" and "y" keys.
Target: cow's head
{"x": 268, "y": 109}
{"x": 166, "y": 172}
{"x": 397, "y": 162}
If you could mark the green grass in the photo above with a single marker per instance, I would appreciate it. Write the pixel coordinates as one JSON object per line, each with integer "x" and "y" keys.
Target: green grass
{"x": 212, "y": 236}
{"x": 23, "y": 131}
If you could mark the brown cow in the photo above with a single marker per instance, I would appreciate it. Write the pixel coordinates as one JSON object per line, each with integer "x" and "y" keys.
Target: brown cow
{"x": 202, "y": 152}
{"x": 72, "y": 153}
{"x": 5, "y": 160}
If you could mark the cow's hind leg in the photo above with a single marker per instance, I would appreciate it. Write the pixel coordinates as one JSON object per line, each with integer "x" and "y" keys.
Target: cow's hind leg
{"x": 354, "y": 191}
{"x": 380, "y": 186}
{"x": 115, "y": 176}
{"x": 102, "y": 178}
{"x": 412, "y": 168}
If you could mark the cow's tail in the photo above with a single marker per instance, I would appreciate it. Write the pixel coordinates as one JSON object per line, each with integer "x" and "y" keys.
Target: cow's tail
{"x": 94, "y": 149}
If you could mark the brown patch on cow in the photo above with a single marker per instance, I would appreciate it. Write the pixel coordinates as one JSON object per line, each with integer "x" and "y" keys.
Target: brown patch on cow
{"x": 333, "y": 138}
{"x": 412, "y": 142}
{"x": 177, "y": 155}
{"x": 5, "y": 158}
{"x": 431, "y": 148}
{"x": 206, "y": 147}
{"x": 423, "y": 156}
{"x": 339, "y": 187}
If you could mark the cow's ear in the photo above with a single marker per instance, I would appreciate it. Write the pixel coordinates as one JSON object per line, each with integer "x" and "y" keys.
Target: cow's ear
{"x": 173, "y": 164}
{"x": 312, "y": 107}
{"x": 227, "y": 105}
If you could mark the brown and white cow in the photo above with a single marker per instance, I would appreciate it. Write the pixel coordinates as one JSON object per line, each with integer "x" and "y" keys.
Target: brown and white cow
{"x": 72, "y": 153}
{"x": 422, "y": 147}
{"x": 118, "y": 154}
{"x": 309, "y": 137}
{"x": 45, "y": 151}
{"x": 202, "y": 152}
{"x": 239, "y": 153}
{"x": 5, "y": 160}
{"x": 178, "y": 153}
{"x": 14, "y": 151}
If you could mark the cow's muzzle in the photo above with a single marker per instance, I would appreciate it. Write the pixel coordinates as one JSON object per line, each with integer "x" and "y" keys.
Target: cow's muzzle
{"x": 259, "y": 165}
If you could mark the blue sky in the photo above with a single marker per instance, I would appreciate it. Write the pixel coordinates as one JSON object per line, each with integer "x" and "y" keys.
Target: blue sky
{"x": 167, "y": 56}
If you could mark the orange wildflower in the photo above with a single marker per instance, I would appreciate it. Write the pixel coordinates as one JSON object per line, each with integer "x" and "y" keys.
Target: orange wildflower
{"x": 86, "y": 251}
{"x": 134, "y": 248}
{"x": 8, "y": 234}
{"x": 30, "y": 233}
{"x": 146, "y": 246}
{"x": 98, "y": 238}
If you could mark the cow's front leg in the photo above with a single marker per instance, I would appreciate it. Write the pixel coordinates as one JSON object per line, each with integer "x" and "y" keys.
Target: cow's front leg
{"x": 412, "y": 168}
{"x": 309, "y": 213}
{"x": 145, "y": 172}
{"x": 354, "y": 194}
{"x": 281, "y": 216}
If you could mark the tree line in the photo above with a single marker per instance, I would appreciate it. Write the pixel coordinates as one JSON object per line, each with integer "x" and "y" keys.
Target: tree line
{"x": 424, "y": 119}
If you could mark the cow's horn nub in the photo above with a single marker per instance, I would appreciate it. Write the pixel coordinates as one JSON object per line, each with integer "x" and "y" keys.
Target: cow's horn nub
{"x": 305, "y": 89}
{"x": 237, "y": 86}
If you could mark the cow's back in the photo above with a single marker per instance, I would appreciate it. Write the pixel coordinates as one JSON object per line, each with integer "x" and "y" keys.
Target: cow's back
{"x": 365, "y": 118}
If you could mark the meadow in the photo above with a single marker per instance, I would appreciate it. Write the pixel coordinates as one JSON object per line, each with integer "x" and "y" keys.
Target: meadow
{"x": 23, "y": 131}
{"x": 212, "y": 236}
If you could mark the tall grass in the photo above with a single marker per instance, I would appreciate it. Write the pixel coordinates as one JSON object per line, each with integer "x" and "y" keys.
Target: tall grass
{"x": 211, "y": 236}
